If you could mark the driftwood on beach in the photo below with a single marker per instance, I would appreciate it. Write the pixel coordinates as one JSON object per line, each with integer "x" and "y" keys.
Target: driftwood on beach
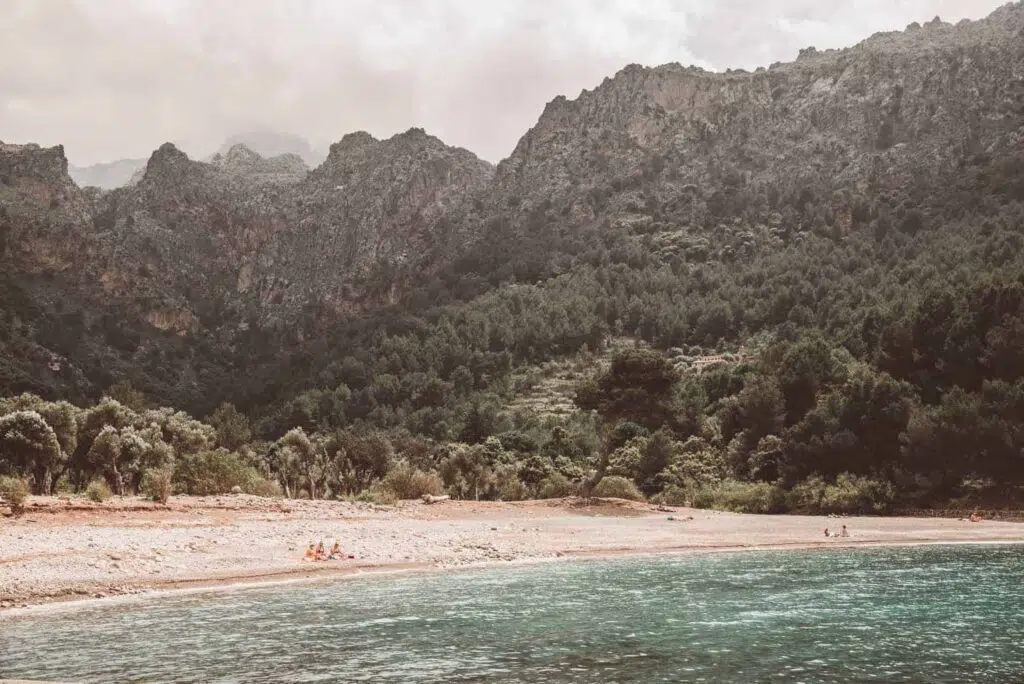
{"x": 430, "y": 498}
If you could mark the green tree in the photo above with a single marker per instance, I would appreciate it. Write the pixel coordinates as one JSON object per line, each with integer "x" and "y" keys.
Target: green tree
{"x": 309, "y": 457}
{"x": 29, "y": 446}
{"x": 641, "y": 387}
{"x": 125, "y": 393}
{"x": 232, "y": 426}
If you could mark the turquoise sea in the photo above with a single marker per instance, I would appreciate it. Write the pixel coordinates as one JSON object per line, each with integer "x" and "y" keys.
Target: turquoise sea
{"x": 924, "y": 614}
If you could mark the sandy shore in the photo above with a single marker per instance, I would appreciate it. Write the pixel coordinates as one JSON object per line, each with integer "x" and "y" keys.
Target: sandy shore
{"x": 64, "y": 550}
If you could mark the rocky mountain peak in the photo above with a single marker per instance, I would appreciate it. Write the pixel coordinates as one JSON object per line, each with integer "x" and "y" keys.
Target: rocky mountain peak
{"x": 237, "y": 155}
{"x": 348, "y": 143}
{"x": 359, "y": 154}
{"x": 31, "y": 162}
{"x": 168, "y": 164}
{"x": 242, "y": 160}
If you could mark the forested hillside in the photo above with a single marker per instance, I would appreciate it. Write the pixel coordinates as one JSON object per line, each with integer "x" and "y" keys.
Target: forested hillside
{"x": 848, "y": 227}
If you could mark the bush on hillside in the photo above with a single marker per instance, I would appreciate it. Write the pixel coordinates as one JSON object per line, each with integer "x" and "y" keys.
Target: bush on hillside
{"x": 615, "y": 487}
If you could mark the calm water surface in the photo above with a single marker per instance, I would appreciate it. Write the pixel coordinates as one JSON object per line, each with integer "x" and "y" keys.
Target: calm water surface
{"x": 929, "y": 614}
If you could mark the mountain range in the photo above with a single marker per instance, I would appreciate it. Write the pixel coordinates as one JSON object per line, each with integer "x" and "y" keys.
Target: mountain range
{"x": 116, "y": 174}
{"x": 240, "y": 277}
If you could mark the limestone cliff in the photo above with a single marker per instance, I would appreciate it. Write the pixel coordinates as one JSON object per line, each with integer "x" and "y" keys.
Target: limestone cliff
{"x": 269, "y": 243}
{"x": 902, "y": 107}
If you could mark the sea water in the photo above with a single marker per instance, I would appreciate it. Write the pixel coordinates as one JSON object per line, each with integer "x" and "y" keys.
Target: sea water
{"x": 924, "y": 614}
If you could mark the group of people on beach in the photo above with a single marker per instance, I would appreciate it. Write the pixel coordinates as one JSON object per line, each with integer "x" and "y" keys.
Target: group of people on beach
{"x": 320, "y": 552}
{"x": 841, "y": 533}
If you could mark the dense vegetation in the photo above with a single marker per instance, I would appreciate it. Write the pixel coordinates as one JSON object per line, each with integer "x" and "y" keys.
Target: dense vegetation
{"x": 881, "y": 369}
{"x": 877, "y": 332}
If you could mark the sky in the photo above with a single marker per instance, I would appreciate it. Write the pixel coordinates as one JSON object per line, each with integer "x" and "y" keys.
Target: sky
{"x": 113, "y": 79}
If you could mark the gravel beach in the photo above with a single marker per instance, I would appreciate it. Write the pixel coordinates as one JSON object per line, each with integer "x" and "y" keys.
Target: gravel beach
{"x": 66, "y": 549}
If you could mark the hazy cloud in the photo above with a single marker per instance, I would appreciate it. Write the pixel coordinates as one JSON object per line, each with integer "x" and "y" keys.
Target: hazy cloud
{"x": 115, "y": 78}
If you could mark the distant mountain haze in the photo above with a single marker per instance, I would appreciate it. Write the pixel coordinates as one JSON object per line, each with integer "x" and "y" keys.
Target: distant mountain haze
{"x": 116, "y": 174}
{"x": 106, "y": 176}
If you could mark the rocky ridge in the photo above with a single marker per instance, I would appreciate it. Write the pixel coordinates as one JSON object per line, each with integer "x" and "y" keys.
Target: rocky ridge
{"x": 245, "y": 251}
{"x": 670, "y": 140}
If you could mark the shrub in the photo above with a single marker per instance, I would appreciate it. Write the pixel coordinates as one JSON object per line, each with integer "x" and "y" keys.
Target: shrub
{"x": 674, "y": 495}
{"x": 852, "y": 494}
{"x": 407, "y": 482}
{"x": 742, "y": 497}
{"x": 848, "y": 494}
{"x": 156, "y": 484}
{"x": 265, "y": 488}
{"x": 64, "y": 487}
{"x": 513, "y": 489}
{"x": 98, "y": 491}
{"x": 377, "y": 495}
{"x": 555, "y": 486}
{"x": 15, "y": 492}
{"x": 806, "y": 496}
{"x": 506, "y": 485}
{"x": 215, "y": 472}
{"x": 615, "y": 487}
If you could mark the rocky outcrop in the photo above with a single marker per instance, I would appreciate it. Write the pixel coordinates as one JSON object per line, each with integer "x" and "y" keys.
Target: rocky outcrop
{"x": 44, "y": 217}
{"x": 899, "y": 106}
{"x": 244, "y": 239}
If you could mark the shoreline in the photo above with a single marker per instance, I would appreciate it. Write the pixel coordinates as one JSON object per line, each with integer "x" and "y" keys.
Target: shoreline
{"x": 198, "y": 545}
{"x": 307, "y": 577}
{"x": 244, "y": 582}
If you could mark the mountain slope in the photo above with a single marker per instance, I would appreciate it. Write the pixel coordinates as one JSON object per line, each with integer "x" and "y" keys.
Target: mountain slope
{"x": 674, "y": 148}
{"x": 669, "y": 201}
{"x": 229, "y": 260}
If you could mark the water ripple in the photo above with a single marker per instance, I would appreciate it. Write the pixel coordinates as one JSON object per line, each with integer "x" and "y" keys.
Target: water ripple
{"x": 936, "y": 614}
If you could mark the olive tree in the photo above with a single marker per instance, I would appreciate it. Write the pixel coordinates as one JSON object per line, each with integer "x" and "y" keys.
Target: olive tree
{"x": 29, "y": 446}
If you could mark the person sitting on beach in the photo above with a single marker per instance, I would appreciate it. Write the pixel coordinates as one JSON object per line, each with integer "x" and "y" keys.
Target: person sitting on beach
{"x": 321, "y": 552}
{"x": 844, "y": 532}
{"x": 826, "y": 533}
{"x": 310, "y": 553}
{"x": 975, "y": 518}
{"x": 336, "y": 551}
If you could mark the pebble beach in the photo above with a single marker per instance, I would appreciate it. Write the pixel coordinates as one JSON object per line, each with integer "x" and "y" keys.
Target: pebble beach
{"x": 72, "y": 549}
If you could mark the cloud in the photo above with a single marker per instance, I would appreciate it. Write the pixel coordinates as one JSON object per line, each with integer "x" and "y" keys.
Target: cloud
{"x": 115, "y": 78}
